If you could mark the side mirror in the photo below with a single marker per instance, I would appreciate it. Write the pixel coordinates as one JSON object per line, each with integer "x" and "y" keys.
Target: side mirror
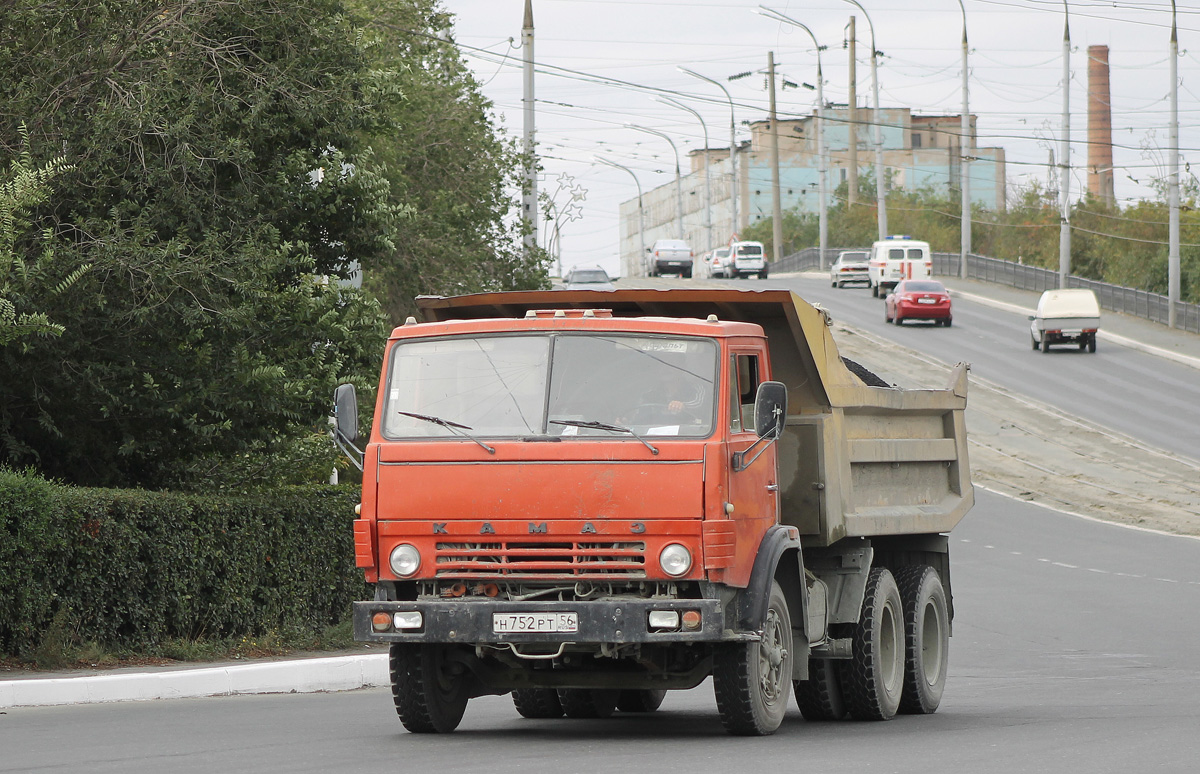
{"x": 770, "y": 409}
{"x": 345, "y": 412}
{"x": 1030, "y": 317}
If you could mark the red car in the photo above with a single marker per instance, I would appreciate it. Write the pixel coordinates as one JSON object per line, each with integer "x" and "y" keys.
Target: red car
{"x": 918, "y": 300}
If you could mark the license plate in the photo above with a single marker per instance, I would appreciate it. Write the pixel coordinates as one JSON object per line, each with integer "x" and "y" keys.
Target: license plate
{"x": 506, "y": 623}
{"x": 926, "y": 300}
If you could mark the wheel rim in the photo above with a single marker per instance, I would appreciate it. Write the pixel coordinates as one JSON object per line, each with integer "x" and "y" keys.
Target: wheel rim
{"x": 931, "y": 644}
{"x": 891, "y": 650}
{"x": 772, "y": 657}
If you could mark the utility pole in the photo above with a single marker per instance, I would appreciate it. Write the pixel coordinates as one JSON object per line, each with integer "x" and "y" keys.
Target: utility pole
{"x": 1173, "y": 280}
{"x": 852, "y": 146}
{"x": 964, "y": 150}
{"x": 776, "y": 209}
{"x": 1064, "y": 161}
{"x": 529, "y": 201}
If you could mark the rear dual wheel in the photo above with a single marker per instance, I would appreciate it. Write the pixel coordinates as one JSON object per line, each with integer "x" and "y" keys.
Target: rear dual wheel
{"x": 927, "y": 638}
{"x": 588, "y": 702}
{"x": 820, "y": 696}
{"x": 537, "y": 703}
{"x": 873, "y": 679}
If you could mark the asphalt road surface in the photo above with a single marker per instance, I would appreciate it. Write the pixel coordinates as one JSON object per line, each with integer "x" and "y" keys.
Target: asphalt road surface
{"x": 1143, "y": 396}
{"x": 1074, "y": 651}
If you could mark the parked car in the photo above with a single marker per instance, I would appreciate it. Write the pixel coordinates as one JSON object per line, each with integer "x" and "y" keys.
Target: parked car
{"x": 923, "y": 299}
{"x": 745, "y": 259}
{"x": 1067, "y": 316}
{"x": 896, "y": 258}
{"x": 716, "y": 260}
{"x": 850, "y": 266}
{"x": 588, "y": 278}
{"x": 669, "y": 256}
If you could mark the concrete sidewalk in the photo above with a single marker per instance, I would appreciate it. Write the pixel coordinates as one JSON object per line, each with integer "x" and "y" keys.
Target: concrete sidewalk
{"x": 363, "y": 668}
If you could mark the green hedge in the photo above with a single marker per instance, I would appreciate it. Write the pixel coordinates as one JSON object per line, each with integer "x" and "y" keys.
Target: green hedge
{"x": 130, "y": 569}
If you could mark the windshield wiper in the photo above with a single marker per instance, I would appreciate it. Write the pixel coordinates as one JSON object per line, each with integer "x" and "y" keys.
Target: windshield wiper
{"x": 452, "y": 426}
{"x": 603, "y": 426}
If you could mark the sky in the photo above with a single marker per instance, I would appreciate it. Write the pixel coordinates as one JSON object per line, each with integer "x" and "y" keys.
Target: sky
{"x": 601, "y": 63}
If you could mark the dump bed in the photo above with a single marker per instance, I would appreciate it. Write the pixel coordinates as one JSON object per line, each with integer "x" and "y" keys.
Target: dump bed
{"x": 856, "y": 459}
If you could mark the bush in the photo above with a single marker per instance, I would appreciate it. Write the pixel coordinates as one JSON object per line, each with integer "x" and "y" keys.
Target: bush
{"x": 131, "y": 570}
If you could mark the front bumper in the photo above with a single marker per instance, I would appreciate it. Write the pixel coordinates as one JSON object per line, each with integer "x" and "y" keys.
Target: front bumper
{"x": 599, "y": 621}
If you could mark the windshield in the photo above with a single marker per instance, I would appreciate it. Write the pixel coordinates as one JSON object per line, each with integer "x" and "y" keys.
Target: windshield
{"x": 523, "y": 385}
{"x": 588, "y": 276}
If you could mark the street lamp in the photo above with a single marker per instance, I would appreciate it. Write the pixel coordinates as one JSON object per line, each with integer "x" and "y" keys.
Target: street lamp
{"x": 1064, "y": 164}
{"x": 821, "y": 166}
{"x": 733, "y": 185}
{"x": 880, "y": 191}
{"x": 707, "y": 190}
{"x": 678, "y": 182}
{"x": 641, "y": 219}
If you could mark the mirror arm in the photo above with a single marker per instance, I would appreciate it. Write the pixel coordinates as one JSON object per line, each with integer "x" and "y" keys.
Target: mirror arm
{"x": 342, "y": 444}
{"x": 739, "y": 458}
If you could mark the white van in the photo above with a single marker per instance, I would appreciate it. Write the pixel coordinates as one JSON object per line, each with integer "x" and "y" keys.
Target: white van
{"x": 1067, "y": 316}
{"x": 745, "y": 259}
{"x": 669, "y": 256}
{"x": 897, "y": 258}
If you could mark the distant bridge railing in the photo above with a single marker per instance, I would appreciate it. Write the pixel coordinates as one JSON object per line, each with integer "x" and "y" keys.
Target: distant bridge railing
{"x": 1130, "y": 301}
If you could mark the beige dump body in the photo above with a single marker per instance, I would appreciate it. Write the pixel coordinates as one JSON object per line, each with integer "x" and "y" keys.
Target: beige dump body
{"x": 855, "y": 460}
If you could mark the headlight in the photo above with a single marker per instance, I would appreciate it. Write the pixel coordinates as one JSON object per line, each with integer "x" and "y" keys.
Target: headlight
{"x": 675, "y": 560}
{"x": 405, "y": 560}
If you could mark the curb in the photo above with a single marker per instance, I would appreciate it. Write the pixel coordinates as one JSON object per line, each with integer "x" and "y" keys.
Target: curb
{"x": 341, "y": 673}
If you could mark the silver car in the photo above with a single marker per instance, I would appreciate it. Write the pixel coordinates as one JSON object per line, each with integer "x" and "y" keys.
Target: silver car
{"x": 850, "y": 266}
{"x": 588, "y": 278}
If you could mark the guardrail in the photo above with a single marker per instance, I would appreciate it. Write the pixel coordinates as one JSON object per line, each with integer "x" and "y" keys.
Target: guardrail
{"x": 1130, "y": 301}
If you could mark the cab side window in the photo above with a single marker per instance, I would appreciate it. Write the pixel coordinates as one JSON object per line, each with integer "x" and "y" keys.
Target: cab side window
{"x": 743, "y": 387}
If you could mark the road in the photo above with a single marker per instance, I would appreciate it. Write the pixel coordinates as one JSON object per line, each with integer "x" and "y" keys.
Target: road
{"x": 1073, "y": 651}
{"x": 1135, "y": 393}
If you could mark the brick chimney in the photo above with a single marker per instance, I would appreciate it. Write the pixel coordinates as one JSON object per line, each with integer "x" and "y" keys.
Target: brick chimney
{"x": 1099, "y": 156}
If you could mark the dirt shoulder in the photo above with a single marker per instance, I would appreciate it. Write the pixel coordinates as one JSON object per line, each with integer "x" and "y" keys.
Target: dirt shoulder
{"x": 1035, "y": 452}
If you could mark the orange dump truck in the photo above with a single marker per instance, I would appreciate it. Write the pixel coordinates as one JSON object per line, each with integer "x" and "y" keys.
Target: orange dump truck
{"x": 587, "y": 498}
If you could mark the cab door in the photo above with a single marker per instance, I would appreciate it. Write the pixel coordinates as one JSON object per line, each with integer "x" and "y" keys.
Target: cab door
{"x": 753, "y": 492}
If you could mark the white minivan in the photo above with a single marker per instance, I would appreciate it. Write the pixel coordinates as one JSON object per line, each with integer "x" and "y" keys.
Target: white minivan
{"x": 896, "y": 258}
{"x": 669, "y": 256}
{"x": 1066, "y": 316}
{"x": 745, "y": 259}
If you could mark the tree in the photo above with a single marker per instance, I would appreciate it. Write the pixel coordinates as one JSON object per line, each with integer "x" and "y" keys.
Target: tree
{"x": 450, "y": 171}
{"x": 220, "y": 178}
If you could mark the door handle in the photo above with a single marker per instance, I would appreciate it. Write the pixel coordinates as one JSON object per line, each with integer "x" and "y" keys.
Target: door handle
{"x": 772, "y": 487}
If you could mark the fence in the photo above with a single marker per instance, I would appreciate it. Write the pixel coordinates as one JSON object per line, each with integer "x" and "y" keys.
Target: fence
{"x": 1137, "y": 303}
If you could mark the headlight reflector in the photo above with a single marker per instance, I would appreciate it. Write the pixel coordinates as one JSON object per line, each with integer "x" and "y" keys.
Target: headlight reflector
{"x": 405, "y": 560}
{"x": 675, "y": 560}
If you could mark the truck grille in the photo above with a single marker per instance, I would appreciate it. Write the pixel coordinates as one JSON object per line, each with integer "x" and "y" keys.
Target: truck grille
{"x": 523, "y": 560}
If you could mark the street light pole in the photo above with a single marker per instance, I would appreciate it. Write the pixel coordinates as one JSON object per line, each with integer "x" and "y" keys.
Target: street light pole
{"x": 707, "y": 189}
{"x": 678, "y": 181}
{"x": 1064, "y": 163}
{"x": 1173, "y": 279}
{"x": 641, "y": 260}
{"x": 776, "y": 207}
{"x": 823, "y": 226}
{"x": 733, "y": 184}
{"x": 880, "y": 190}
{"x": 965, "y": 159}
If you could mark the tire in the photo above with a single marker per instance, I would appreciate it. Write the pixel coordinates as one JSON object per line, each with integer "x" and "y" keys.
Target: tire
{"x": 820, "y": 696}
{"x": 640, "y": 700}
{"x": 1092, "y": 345}
{"x": 948, "y": 321}
{"x": 899, "y": 320}
{"x": 874, "y": 290}
{"x": 588, "y": 702}
{"x": 752, "y": 680}
{"x": 1045, "y": 344}
{"x": 887, "y": 316}
{"x": 687, "y": 274}
{"x": 873, "y": 679}
{"x": 1033, "y": 341}
{"x": 537, "y": 703}
{"x": 926, "y": 637}
{"x": 833, "y": 284}
{"x": 428, "y": 698}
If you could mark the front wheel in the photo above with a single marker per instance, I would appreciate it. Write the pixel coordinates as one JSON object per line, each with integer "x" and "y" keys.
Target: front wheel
{"x": 873, "y": 679}
{"x": 752, "y": 680}
{"x": 927, "y": 638}
{"x": 429, "y": 693}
